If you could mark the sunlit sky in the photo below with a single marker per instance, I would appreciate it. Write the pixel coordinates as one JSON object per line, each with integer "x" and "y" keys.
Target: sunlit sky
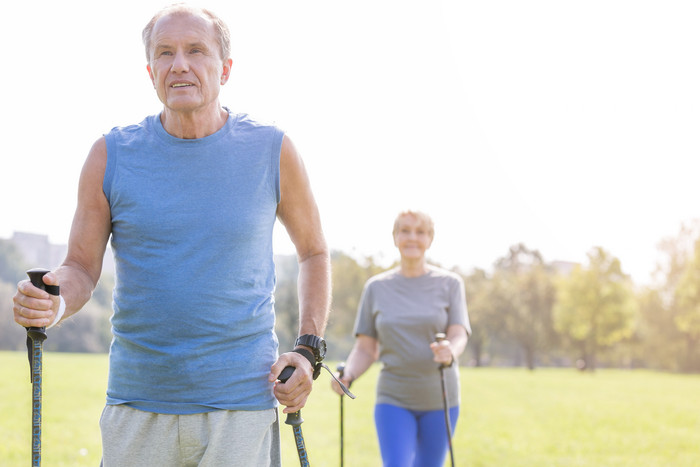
{"x": 560, "y": 124}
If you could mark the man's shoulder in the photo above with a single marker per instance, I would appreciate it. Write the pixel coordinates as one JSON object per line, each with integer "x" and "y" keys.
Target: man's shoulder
{"x": 134, "y": 127}
{"x": 244, "y": 120}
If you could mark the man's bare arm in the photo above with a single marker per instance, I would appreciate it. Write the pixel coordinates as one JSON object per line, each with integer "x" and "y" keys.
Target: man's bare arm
{"x": 81, "y": 269}
{"x": 90, "y": 232}
{"x": 298, "y": 212}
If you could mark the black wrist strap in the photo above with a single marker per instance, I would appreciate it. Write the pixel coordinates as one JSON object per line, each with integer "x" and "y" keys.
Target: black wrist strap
{"x": 317, "y": 368}
{"x": 312, "y": 359}
{"x": 308, "y": 354}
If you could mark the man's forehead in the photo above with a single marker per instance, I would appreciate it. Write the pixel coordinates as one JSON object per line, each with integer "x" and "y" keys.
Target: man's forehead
{"x": 183, "y": 25}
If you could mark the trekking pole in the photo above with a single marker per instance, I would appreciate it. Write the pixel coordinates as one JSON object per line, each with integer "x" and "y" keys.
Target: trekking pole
{"x": 35, "y": 342}
{"x": 294, "y": 419}
{"x": 341, "y": 370}
{"x": 439, "y": 337}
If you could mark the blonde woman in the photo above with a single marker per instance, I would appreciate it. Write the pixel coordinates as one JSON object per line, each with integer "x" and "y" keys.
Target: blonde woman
{"x": 400, "y": 313}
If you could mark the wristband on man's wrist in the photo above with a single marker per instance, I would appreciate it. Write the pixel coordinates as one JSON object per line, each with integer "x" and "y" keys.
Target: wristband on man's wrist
{"x": 59, "y": 313}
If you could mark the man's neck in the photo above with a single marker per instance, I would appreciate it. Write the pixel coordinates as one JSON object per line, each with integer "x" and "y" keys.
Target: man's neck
{"x": 193, "y": 125}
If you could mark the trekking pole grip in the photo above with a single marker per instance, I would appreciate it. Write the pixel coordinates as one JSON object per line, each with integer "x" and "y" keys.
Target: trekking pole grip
{"x": 36, "y": 276}
{"x": 293, "y": 418}
{"x": 439, "y": 337}
{"x": 341, "y": 370}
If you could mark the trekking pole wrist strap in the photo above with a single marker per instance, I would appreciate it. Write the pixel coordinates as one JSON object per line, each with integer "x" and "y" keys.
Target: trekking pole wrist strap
{"x": 312, "y": 359}
{"x": 307, "y": 354}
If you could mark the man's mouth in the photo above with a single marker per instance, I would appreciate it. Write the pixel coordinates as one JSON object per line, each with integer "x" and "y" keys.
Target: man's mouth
{"x": 180, "y": 85}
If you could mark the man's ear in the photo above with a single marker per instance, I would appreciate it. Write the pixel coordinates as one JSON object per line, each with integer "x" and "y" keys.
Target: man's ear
{"x": 150, "y": 75}
{"x": 226, "y": 73}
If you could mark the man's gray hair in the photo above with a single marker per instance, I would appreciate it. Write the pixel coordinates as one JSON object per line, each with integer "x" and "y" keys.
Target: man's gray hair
{"x": 222, "y": 31}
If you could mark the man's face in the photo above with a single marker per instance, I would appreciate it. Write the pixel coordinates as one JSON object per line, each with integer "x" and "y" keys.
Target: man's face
{"x": 186, "y": 65}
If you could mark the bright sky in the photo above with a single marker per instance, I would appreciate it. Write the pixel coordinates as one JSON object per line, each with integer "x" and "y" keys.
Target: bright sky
{"x": 560, "y": 124}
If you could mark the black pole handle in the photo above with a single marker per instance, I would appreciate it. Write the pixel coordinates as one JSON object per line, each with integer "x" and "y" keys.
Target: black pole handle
{"x": 439, "y": 337}
{"x": 36, "y": 276}
{"x": 286, "y": 374}
{"x": 294, "y": 418}
{"x": 341, "y": 370}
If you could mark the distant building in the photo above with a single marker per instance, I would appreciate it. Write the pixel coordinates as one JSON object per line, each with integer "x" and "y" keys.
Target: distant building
{"x": 39, "y": 252}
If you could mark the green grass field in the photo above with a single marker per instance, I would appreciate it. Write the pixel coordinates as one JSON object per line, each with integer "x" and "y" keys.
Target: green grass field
{"x": 509, "y": 417}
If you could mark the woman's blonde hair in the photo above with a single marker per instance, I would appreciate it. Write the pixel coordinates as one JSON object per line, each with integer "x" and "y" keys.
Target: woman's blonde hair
{"x": 425, "y": 219}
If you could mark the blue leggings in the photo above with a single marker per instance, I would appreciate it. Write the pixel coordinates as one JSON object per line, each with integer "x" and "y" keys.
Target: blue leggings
{"x": 411, "y": 437}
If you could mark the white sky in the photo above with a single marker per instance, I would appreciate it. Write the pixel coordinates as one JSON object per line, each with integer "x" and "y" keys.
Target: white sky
{"x": 560, "y": 124}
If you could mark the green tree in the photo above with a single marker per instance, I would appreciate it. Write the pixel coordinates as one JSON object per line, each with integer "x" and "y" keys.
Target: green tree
{"x": 13, "y": 267}
{"x": 349, "y": 279}
{"x": 12, "y": 335}
{"x": 687, "y": 317}
{"x": 666, "y": 313}
{"x": 286, "y": 301}
{"x": 658, "y": 342}
{"x": 524, "y": 296}
{"x": 478, "y": 288}
{"x": 595, "y": 306}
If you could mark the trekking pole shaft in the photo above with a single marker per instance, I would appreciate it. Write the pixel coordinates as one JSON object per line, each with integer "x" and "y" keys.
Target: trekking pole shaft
{"x": 35, "y": 343}
{"x": 439, "y": 338}
{"x": 294, "y": 419}
{"x": 448, "y": 425}
{"x": 36, "y": 401}
{"x": 341, "y": 371}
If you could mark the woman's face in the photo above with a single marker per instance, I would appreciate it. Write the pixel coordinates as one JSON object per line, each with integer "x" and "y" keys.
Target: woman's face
{"x": 412, "y": 237}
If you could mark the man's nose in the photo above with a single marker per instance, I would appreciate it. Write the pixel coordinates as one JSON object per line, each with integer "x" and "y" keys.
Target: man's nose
{"x": 180, "y": 63}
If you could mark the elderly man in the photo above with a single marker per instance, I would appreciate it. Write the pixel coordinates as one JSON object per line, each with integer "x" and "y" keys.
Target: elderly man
{"x": 189, "y": 198}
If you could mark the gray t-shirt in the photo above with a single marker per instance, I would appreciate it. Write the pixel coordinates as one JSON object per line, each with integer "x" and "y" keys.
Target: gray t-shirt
{"x": 404, "y": 314}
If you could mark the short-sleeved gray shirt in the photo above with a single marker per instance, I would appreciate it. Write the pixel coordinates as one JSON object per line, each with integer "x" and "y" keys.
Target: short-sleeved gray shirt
{"x": 404, "y": 314}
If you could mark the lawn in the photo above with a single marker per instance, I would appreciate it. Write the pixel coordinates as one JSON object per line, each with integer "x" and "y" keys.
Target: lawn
{"x": 509, "y": 417}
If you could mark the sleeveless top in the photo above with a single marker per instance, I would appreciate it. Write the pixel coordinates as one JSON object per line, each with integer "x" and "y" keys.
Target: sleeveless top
{"x": 193, "y": 305}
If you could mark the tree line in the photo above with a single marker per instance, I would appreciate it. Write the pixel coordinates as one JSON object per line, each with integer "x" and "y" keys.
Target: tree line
{"x": 524, "y": 312}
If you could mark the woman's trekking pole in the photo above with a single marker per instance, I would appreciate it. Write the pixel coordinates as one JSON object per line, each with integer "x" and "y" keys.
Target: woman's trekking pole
{"x": 439, "y": 337}
{"x": 35, "y": 342}
{"x": 341, "y": 370}
{"x": 295, "y": 420}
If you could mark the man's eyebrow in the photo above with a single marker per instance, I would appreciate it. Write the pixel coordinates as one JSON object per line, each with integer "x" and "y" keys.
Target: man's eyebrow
{"x": 165, "y": 45}
{"x": 198, "y": 45}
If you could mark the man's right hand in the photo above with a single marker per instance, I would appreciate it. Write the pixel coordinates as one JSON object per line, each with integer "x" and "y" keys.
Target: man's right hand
{"x": 34, "y": 307}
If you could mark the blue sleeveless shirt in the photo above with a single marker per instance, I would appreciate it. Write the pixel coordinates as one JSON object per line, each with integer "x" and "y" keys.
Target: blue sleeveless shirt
{"x": 193, "y": 304}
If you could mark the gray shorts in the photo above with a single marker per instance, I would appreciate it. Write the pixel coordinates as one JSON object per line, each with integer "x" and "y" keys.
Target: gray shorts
{"x": 133, "y": 437}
